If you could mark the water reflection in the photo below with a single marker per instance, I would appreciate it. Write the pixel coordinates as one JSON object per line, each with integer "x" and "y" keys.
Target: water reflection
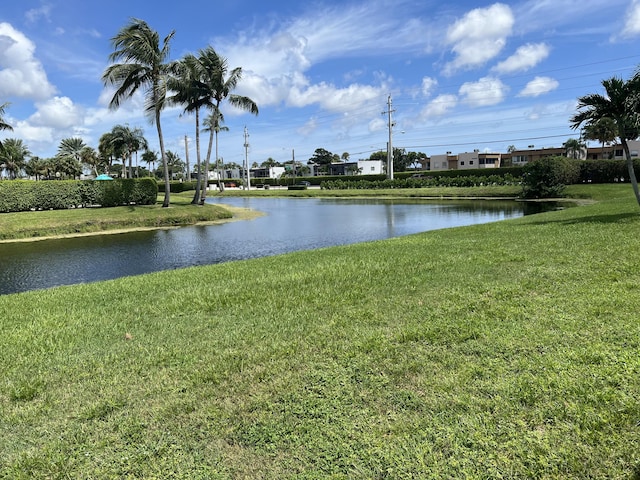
{"x": 290, "y": 224}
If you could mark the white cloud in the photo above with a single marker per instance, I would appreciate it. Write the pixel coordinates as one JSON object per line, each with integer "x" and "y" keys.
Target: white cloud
{"x": 539, "y": 86}
{"x": 632, "y": 24}
{"x": 479, "y": 36}
{"x": 35, "y": 14}
{"x": 21, "y": 74}
{"x": 439, "y": 106}
{"x": 58, "y": 112}
{"x": 377, "y": 125}
{"x": 526, "y": 57}
{"x": 309, "y": 127}
{"x": 332, "y": 98}
{"x": 428, "y": 86}
{"x": 486, "y": 91}
{"x": 33, "y": 134}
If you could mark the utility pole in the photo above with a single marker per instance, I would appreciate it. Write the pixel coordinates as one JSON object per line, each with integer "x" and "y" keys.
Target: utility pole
{"x": 389, "y": 144}
{"x": 246, "y": 157}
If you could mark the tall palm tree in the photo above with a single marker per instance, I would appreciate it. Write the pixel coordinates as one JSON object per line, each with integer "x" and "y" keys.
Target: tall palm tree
{"x": 3, "y": 124}
{"x": 13, "y": 156}
{"x": 615, "y": 105}
{"x": 222, "y": 83}
{"x": 192, "y": 92}
{"x": 213, "y": 125}
{"x": 143, "y": 64}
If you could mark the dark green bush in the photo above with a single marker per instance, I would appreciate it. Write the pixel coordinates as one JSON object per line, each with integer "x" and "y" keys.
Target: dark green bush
{"x": 177, "y": 187}
{"x": 24, "y": 195}
{"x": 548, "y": 177}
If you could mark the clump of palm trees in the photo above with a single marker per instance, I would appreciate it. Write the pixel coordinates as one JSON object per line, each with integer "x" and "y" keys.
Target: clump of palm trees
{"x": 618, "y": 110}
{"x": 141, "y": 62}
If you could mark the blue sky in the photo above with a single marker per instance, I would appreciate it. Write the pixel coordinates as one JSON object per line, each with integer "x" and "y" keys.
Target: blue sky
{"x": 462, "y": 75}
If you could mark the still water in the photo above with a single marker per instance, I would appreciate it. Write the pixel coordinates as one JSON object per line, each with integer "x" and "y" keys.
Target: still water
{"x": 289, "y": 225}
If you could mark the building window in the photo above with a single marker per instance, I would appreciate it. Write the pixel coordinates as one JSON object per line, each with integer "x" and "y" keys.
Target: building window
{"x": 471, "y": 162}
{"x": 462, "y": 162}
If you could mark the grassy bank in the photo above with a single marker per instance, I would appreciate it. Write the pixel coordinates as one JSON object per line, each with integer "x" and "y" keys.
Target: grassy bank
{"x": 34, "y": 225}
{"x": 507, "y": 350}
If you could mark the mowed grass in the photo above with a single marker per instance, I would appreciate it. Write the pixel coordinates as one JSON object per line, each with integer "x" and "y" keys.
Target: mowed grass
{"x": 33, "y": 225}
{"x": 506, "y": 350}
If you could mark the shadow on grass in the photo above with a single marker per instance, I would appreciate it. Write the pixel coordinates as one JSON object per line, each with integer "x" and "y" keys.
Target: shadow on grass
{"x": 635, "y": 475}
{"x": 604, "y": 219}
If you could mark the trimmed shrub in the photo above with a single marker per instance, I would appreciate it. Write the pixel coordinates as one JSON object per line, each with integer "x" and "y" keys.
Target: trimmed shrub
{"x": 548, "y": 177}
{"x": 24, "y": 195}
{"x": 177, "y": 187}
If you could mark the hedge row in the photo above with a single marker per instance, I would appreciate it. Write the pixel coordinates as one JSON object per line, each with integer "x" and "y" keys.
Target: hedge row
{"x": 606, "y": 171}
{"x": 25, "y": 195}
{"x": 430, "y": 181}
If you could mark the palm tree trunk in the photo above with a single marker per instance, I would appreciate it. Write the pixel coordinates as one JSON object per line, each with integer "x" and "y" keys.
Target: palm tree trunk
{"x": 632, "y": 173}
{"x": 196, "y": 195}
{"x": 165, "y": 166}
{"x": 205, "y": 182}
{"x": 220, "y": 184}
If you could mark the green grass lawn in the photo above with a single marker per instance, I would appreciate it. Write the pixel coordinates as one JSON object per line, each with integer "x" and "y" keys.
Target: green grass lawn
{"x": 506, "y": 350}
{"x": 29, "y": 225}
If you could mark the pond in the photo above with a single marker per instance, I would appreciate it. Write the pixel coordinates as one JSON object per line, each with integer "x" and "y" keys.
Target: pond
{"x": 290, "y": 224}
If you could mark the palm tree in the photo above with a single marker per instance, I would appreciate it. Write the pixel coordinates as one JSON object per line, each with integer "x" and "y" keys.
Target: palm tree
{"x": 222, "y": 83}
{"x": 143, "y": 65}
{"x": 213, "y": 125}
{"x": 89, "y": 157}
{"x": 3, "y": 124}
{"x": 13, "y": 155}
{"x": 150, "y": 157}
{"x": 192, "y": 92}
{"x": 108, "y": 150}
{"x": 128, "y": 142}
{"x": 603, "y": 130}
{"x": 615, "y": 105}
{"x": 573, "y": 148}
{"x": 69, "y": 154}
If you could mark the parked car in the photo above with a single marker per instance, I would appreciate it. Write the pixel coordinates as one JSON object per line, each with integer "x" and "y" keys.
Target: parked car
{"x": 305, "y": 183}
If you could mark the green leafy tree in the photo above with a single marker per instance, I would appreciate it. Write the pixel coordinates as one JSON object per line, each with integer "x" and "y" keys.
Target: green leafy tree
{"x": 13, "y": 157}
{"x": 616, "y": 105}
{"x": 143, "y": 64}
{"x": 323, "y": 158}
